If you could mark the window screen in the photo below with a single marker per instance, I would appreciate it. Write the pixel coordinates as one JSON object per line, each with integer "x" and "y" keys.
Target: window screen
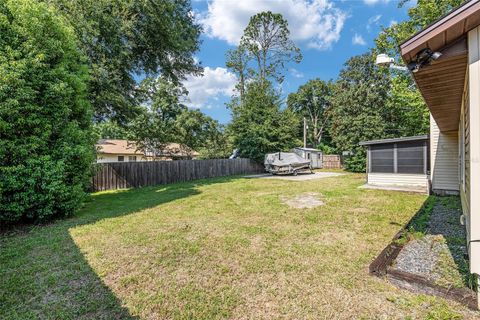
{"x": 410, "y": 157}
{"x": 381, "y": 158}
{"x": 120, "y": 158}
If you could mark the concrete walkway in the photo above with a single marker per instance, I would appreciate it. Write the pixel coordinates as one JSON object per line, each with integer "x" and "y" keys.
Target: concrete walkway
{"x": 395, "y": 188}
{"x": 299, "y": 177}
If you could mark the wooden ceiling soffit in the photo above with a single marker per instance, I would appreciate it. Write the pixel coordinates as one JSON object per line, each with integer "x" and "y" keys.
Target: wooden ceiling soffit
{"x": 442, "y": 84}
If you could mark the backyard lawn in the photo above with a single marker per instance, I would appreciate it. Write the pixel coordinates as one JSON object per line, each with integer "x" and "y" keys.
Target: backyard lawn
{"x": 217, "y": 248}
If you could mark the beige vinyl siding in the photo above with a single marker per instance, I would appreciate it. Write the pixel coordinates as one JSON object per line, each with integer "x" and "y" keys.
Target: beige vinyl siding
{"x": 398, "y": 179}
{"x": 465, "y": 150}
{"x": 444, "y": 159}
{"x": 472, "y": 135}
{"x": 104, "y": 158}
{"x": 467, "y": 145}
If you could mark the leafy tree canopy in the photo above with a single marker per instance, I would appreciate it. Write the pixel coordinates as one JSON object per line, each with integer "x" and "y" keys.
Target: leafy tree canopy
{"x": 420, "y": 16}
{"x": 267, "y": 39}
{"x": 237, "y": 61}
{"x": 264, "y": 50}
{"x": 259, "y": 126}
{"x": 109, "y": 130}
{"x": 313, "y": 101}
{"x": 359, "y": 109}
{"x": 411, "y": 113}
{"x": 127, "y": 37}
{"x": 203, "y": 134}
{"x": 155, "y": 127}
{"x": 165, "y": 119}
{"x": 46, "y": 144}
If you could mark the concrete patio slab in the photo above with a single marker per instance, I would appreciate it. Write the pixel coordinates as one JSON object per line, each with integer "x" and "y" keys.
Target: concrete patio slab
{"x": 299, "y": 177}
{"x": 395, "y": 188}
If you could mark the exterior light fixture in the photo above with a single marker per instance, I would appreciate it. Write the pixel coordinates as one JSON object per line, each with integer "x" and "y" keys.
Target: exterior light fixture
{"x": 423, "y": 58}
{"x": 384, "y": 60}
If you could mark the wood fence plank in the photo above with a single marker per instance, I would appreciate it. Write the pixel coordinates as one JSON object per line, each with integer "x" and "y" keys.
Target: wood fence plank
{"x": 110, "y": 176}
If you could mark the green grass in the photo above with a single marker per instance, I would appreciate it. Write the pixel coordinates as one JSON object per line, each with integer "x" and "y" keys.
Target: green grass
{"x": 418, "y": 225}
{"x": 214, "y": 249}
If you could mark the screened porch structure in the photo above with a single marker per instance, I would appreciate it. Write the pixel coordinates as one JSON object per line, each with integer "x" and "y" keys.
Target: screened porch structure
{"x": 400, "y": 162}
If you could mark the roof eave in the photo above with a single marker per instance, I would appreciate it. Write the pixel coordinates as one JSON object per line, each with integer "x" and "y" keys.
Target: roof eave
{"x": 394, "y": 140}
{"x": 451, "y": 20}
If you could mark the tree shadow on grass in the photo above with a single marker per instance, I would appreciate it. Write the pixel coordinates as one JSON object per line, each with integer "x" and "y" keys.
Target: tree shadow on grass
{"x": 44, "y": 275}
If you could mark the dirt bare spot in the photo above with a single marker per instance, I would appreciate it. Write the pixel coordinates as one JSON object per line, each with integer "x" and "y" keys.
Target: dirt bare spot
{"x": 304, "y": 201}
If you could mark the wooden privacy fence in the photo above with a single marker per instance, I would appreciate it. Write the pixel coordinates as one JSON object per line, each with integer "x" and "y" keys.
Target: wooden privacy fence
{"x": 331, "y": 161}
{"x": 120, "y": 175}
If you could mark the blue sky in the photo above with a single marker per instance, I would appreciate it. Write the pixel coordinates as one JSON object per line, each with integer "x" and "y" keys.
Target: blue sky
{"x": 327, "y": 32}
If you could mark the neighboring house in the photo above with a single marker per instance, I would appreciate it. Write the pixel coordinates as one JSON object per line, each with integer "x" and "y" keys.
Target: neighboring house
{"x": 451, "y": 89}
{"x": 116, "y": 150}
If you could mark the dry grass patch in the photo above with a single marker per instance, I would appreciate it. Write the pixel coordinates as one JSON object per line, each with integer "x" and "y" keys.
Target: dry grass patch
{"x": 303, "y": 201}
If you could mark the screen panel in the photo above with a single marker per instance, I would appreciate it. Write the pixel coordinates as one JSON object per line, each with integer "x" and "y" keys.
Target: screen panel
{"x": 381, "y": 158}
{"x": 410, "y": 157}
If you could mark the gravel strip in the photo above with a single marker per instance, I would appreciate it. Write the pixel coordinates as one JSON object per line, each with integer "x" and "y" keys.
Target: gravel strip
{"x": 445, "y": 220}
{"x": 438, "y": 254}
{"x": 421, "y": 256}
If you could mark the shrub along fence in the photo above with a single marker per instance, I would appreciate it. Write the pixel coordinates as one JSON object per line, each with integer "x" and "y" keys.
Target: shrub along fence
{"x": 120, "y": 175}
{"x": 331, "y": 161}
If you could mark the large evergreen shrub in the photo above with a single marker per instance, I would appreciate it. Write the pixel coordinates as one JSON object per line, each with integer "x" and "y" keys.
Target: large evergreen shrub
{"x": 259, "y": 125}
{"x": 46, "y": 147}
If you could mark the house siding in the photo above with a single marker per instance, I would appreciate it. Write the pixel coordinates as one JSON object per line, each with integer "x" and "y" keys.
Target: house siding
{"x": 398, "y": 179}
{"x": 103, "y": 158}
{"x": 472, "y": 163}
{"x": 444, "y": 164}
{"x": 464, "y": 170}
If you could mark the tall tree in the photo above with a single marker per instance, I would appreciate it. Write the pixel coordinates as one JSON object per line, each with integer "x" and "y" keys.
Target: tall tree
{"x": 155, "y": 127}
{"x": 410, "y": 115}
{"x": 164, "y": 119}
{"x": 237, "y": 61}
{"x": 359, "y": 110}
{"x": 127, "y": 37}
{"x": 410, "y": 110}
{"x": 109, "y": 130}
{"x": 46, "y": 145}
{"x": 199, "y": 132}
{"x": 421, "y": 15}
{"x": 259, "y": 126}
{"x": 267, "y": 39}
{"x": 312, "y": 100}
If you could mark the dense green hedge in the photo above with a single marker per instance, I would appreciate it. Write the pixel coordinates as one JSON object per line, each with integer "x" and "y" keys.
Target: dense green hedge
{"x": 46, "y": 146}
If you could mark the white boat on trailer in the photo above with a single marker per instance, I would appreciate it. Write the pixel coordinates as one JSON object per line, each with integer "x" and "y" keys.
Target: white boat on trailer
{"x": 286, "y": 163}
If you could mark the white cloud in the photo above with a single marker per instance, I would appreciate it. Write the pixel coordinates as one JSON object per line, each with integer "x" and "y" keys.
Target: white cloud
{"x": 215, "y": 83}
{"x": 358, "y": 39}
{"x": 374, "y": 20}
{"x": 373, "y": 2}
{"x": 316, "y": 22}
{"x": 392, "y": 23}
{"x": 295, "y": 73}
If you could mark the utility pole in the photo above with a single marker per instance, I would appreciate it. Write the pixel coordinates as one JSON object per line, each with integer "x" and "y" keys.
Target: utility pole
{"x": 305, "y": 132}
